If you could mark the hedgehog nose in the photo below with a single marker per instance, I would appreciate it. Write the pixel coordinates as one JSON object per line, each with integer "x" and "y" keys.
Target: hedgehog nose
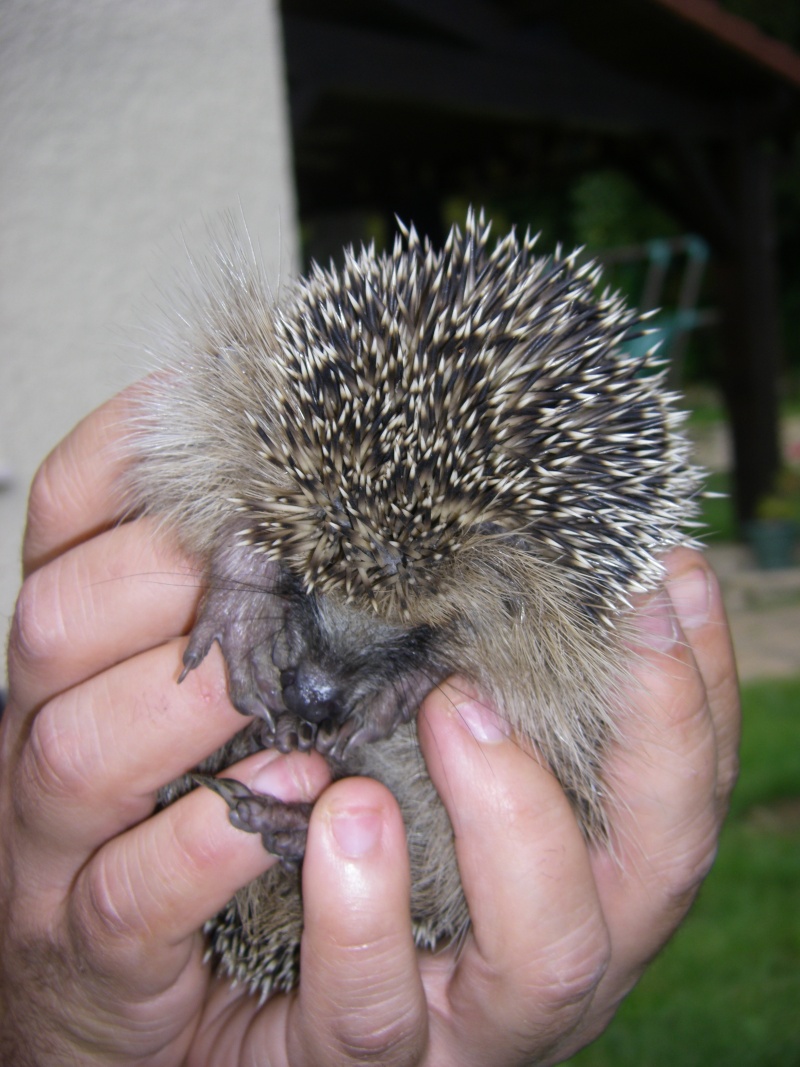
{"x": 310, "y": 693}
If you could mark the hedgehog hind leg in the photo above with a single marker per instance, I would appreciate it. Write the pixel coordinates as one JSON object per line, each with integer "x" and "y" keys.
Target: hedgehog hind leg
{"x": 283, "y": 826}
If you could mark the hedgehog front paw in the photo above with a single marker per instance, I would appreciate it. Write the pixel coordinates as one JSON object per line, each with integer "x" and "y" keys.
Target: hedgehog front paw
{"x": 243, "y": 613}
{"x": 394, "y": 705}
{"x": 283, "y": 827}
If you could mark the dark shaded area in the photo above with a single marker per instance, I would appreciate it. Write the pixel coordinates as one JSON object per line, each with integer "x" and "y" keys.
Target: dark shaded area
{"x": 399, "y": 106}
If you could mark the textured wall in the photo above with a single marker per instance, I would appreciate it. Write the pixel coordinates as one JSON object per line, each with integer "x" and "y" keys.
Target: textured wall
{"x": 123, "y": 127}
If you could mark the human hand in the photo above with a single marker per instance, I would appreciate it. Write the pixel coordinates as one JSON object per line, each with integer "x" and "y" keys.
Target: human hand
{"x": 102, "y": 900}
{"x": 560, "y": 931}
{"x": 100, "y": 903}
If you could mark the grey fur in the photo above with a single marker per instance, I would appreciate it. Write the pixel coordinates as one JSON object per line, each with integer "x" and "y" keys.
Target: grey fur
{"x": 427, "y": 462}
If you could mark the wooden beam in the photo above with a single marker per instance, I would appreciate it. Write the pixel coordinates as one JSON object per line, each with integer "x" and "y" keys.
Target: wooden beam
{"x": 738, "y": 34}
{"x": 557, "y": 82}
{"x": 469, "y": 20}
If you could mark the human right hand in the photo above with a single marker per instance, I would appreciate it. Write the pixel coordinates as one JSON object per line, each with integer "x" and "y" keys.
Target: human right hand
{"x": 102, "y": 897}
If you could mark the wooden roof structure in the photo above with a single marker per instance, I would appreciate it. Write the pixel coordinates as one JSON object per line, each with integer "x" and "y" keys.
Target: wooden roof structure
{"x": 397, "y": 104}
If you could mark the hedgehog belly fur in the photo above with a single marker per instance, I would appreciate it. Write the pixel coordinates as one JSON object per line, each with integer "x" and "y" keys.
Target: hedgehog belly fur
{"x": 425, "y": 462}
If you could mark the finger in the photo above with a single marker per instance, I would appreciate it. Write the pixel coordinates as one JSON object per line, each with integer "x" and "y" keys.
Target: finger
{"x": 97, "y": 604}
{"x": 538, "y": 944}
{"x": 661, "y": 781}
{"x": 137, "y": 906}
{"x": 75, "y": 493}
{"x": 360, "y": 997}
{"x": 697, "y": 599}
{"x": 97, "y": 756}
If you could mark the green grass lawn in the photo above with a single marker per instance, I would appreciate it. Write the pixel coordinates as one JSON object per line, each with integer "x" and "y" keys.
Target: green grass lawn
{"x": 726, "y": 990}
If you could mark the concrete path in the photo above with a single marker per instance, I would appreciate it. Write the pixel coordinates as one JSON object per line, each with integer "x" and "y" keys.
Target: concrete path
{"x": 764, "y": 613}
{"x": 763, "y": 606}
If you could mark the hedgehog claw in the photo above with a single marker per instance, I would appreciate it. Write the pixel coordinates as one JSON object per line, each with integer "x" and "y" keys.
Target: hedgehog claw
{"x": 283, "y": 827}
{"x": 229, "y": 789}
{"x": 251, "y": 705}
{"x": 192, "y": 658}
{"x": 241, "y": 611}
{"x": 294, "y": 734}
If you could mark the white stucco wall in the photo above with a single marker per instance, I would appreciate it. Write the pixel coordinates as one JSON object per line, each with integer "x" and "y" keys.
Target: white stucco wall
{"x": 123, "y": 126}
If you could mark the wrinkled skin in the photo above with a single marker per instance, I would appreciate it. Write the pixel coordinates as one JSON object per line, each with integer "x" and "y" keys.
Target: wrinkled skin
{"x": 320, "y": 674}
{"x": 101, "y": 898}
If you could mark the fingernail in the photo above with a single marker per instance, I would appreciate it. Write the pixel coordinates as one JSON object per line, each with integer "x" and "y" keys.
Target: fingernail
{"x": 482, "y": 722}
{"x": 657, "y": 624}
{"x": 357, "y": 830}
{"x": 690, "y": 596}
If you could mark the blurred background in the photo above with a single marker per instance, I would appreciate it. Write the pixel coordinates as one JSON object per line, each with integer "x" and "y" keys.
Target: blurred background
{"x": 661, "y": 135}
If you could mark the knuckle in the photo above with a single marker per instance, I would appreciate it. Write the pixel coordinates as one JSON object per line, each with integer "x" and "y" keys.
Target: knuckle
{"x": 43, "y": 499}
{"x": 726, "y": 781}
{"x": 392, "y": 1045}
{"x": 52, "y": 761}
{"x": 575, "y": 970}
{"x": 681, "y": 887}
{"x": 37, "y": 629}
{"x": 113, "y": 935}
{"x": 101, "y": 901}
{"x": 365, "y": 1015}
{"x": 681, "y": 877}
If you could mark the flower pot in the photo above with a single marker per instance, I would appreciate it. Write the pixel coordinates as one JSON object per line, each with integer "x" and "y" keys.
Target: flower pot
{"x": 772, "y": 541}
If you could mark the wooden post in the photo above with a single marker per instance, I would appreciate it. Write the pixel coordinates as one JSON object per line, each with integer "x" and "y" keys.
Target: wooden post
{"x": 752, "y": 356}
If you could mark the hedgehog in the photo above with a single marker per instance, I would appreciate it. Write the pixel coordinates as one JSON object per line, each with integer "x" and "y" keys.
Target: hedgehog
{"x": 426, "y": 462}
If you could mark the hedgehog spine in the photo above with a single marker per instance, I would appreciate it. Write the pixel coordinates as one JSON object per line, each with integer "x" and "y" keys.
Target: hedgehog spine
{"x": 425, "y": 462}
